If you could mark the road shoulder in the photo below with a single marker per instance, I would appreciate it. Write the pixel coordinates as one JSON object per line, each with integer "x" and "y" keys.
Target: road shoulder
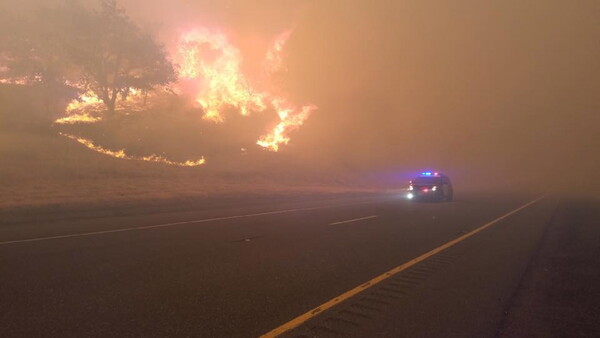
{"x": 559, "y": 295}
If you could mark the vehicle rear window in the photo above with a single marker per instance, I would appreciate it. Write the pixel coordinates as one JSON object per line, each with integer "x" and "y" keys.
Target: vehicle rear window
{"x": 427, "y": 180}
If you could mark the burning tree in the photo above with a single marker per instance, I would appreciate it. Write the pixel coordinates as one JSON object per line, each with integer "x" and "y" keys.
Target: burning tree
{"x": 116, "y": 56}
{"x": 101, "y": 51}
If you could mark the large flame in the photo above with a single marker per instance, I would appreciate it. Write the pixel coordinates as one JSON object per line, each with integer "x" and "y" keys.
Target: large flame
{"x": 123, "y": 155}
{"x": 209, "y": 59}
{"x": 210, "y": 68}
{"x": 214, "y": 64}
{"x": 290, "y": 117}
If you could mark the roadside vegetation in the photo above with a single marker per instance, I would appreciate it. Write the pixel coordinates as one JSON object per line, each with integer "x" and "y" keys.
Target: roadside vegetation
{"x": 57, "y": 54}
{"x": 39, "y": 167}
{"x": 73, "y": 49}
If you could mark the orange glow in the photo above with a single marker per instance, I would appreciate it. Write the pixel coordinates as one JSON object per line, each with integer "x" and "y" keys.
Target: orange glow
{"x": 275, "y": 59}
{"x": 14, "y": 81}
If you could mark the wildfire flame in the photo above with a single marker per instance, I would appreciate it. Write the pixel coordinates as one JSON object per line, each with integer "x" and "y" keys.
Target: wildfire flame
{"x": 80, "y": 110}
{"x": 210, "y": 60}
{"x": 87, "y": 108}
{"x": 78, "y": 118}
{"x": 211, "y": 70}
{"x": 291, "y": 118}
{"x": 122, "y": 155}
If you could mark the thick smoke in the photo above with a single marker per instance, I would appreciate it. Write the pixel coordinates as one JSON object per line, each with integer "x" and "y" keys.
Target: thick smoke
{"x": 494, "y": 92}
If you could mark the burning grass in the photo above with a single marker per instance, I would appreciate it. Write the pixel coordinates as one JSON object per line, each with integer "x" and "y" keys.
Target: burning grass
{"x": 42, "y": 169}
{"x": 210, "y": 79}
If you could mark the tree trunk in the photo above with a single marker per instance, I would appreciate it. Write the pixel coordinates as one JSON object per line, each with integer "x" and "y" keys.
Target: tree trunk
{"x": 110, "y": 107}
{"x": 111, "y": 104}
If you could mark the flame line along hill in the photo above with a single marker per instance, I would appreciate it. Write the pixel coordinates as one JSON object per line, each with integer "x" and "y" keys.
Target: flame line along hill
{"x": 48, "y": 169}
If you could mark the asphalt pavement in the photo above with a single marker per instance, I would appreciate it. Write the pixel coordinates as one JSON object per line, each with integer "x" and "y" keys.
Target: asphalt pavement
{"x": 247, "y": 267}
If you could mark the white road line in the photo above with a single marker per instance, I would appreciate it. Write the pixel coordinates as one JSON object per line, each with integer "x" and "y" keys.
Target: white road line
{"x": 38, "y": 239}
{"x": 354, "y": 220}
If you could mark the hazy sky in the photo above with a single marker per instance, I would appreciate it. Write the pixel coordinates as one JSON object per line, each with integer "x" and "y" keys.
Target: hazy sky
{"x": 503, "y": 87}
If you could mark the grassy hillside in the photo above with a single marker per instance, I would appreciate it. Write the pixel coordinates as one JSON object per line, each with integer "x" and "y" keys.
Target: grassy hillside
{"x": 46, "y": 168}
{"x": 38, "y": 166}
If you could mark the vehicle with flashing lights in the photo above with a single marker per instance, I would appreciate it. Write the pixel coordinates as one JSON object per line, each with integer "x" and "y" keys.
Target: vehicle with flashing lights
{"x": 430, "y": 185}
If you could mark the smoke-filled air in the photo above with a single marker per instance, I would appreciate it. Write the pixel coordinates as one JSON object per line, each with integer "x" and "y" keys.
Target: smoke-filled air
{"x": 131, "y": 98}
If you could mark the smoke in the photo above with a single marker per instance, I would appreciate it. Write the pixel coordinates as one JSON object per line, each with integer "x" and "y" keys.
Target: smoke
{"x": 499, "y": 92}
{"x": 495, "y": 92}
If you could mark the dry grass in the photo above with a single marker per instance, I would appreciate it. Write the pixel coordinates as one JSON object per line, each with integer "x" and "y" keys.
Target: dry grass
{"x": 41, "y": 169}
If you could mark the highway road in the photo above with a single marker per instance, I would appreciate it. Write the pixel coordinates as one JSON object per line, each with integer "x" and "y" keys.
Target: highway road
{"x": 290, "y": 267}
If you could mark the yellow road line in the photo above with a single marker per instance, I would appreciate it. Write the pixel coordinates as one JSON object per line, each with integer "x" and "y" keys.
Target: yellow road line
{"x": 316, "y": 311}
